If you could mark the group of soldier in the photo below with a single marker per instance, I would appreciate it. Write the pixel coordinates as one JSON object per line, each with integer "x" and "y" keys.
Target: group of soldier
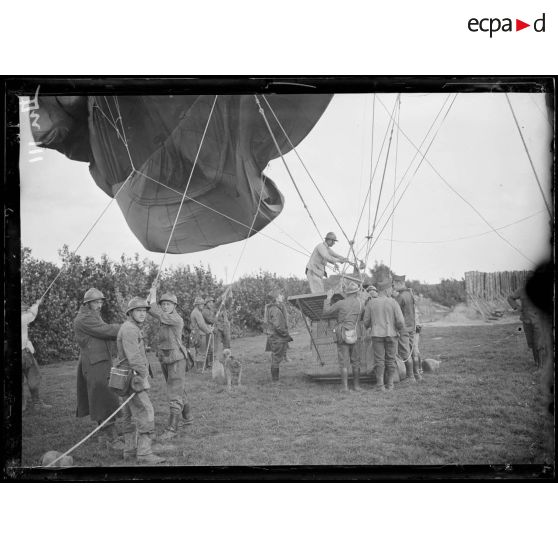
{"x": 96, "y": 340}
{"x": 386, "y": 310}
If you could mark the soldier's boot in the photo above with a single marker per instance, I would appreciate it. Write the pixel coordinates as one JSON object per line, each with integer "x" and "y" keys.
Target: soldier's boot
{"x": 172, "y": 428}
{"x": 145, "y": 452}
{"x": 186, "y": 415}
{"x": 130, "y": 443}
{"x": 275, "y": 373}
{"x": 108, "y": 437}
{"x": 416, "y": 370}
{"x": 344, "y": 379}
{"x": 409, "y": 378}
{"x": 380, "y": 380}
{"x": 356, "y": 379}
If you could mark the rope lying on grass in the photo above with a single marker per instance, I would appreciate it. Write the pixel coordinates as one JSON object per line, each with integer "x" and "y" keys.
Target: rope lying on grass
{"x": 91, "y": 433}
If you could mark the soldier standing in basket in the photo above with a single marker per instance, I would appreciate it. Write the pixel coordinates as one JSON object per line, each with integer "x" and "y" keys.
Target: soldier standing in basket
{"x": 278, "y": 331}
{"x": 407, "y": 335}
{"x": 383, "y": 315}
{"x": 322, "y": 255}
{"x": 131, "y": 354}
{"x": 348, "y": 312}
{"x": 200, "y": 332}
{"x": 173, "y": 357}
{"x": 96, "y": 343}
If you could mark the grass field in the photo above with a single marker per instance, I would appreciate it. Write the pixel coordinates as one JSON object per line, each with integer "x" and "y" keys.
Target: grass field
{"x": 483, "y": 407}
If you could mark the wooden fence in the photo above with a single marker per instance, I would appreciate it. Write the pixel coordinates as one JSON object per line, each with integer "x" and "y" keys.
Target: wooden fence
{"x": 488, "y": 292}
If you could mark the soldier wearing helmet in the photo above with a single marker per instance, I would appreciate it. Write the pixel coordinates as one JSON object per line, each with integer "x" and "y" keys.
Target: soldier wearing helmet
{"x": 278, "y": 331}
{"x": 348, "y": 313}
{"x": 322, "y": 255}
{"x": 96, "y": 345}
{"x": 200, "y": 332}
{"x": 173, "y": 357}
{"x": 131, "y": 355}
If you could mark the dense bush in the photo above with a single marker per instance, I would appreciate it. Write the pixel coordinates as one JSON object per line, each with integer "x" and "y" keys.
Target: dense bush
{"x": 52, "y": 330}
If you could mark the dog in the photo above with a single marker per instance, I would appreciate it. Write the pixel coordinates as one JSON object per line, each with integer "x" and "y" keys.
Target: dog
{"x": 233, "y": 369}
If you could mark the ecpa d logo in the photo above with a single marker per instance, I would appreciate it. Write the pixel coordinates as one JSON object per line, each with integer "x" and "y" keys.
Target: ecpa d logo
{"x": 493, "y": 25}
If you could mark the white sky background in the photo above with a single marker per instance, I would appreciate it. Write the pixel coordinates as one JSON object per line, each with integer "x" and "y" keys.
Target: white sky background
{"x": 478, "y": 150}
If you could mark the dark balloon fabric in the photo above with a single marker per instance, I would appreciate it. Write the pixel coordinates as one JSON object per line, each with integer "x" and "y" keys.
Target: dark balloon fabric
{"x": 143, "y": 148}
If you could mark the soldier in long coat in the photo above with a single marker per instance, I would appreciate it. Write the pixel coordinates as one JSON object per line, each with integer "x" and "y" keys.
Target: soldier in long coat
{"x": 96, "y": 343}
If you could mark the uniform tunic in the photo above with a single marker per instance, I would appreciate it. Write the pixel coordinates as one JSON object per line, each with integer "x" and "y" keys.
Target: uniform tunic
{"x": 94, "y": 338}
{"x": 200, "y": 330}
{"x": 278, "y": 337}
{"x": 315, "y": 269}
{"x": 348, "y": 312}
{"x": 131, "y": 352}
{"x": 385, "y": 318}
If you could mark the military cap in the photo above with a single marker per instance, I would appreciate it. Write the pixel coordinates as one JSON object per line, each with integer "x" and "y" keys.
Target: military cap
{"x": 399, "y": 278}
{"x": 168, "y": 297}
{"x": 331, "y": 236}
{"x": 135, "y": 303}
{"x": 198, "y": 300}
{"x": 93, "y": 294}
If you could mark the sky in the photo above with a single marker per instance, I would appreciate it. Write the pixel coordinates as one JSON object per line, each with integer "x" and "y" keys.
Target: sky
{"x": 476, "y": 151}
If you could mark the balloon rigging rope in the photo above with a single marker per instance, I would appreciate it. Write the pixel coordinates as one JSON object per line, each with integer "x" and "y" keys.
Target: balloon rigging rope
{"x": 455, "y": 191}
{"x": 529, "y": 156}
{"x": 368, "y": 193}
{"x": 92, "y": 432}
{"x": 228, "y": 290}
{"x": 394, "y": 186}
{"x": 186, "y": 189}
{"x": 89, "y": 231}
{"x": 373, "y": 243}
{"x": 262, "y": 112}
{"x": 417, "y": 152}
{"x": 305, "y": 168}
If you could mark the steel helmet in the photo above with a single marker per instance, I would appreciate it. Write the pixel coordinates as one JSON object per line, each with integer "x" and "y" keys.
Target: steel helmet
{"x": 331, "y": 236}
{"x": 168, "y": 297}
{"x": 93, "y": 294}
{"x": 135, "y": 303}
{"x": 198, "y": 300}
{"x": 350, "y": 287}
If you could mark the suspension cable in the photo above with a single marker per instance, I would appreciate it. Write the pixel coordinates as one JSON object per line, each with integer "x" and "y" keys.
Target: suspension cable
{"x": 262, "y": 112}
{"x": 295, "y": 151}
{"x": 454, "y": 190}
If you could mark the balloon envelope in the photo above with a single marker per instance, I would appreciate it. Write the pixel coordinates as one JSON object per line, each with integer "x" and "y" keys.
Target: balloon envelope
{"x": 142, "y": 149}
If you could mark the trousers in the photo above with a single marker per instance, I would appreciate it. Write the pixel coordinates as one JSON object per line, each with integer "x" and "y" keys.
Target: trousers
{"x": 316, "y": 283}
{"x": 385, "y": 349}
{"x": 139, "y": 410}
{"x": 175, "y": 376}
{"x": 31, "y": 374}
{"x": 349, "y": 354}
{"x": 405, "y": 343}
{"x": 278, "y": 350}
